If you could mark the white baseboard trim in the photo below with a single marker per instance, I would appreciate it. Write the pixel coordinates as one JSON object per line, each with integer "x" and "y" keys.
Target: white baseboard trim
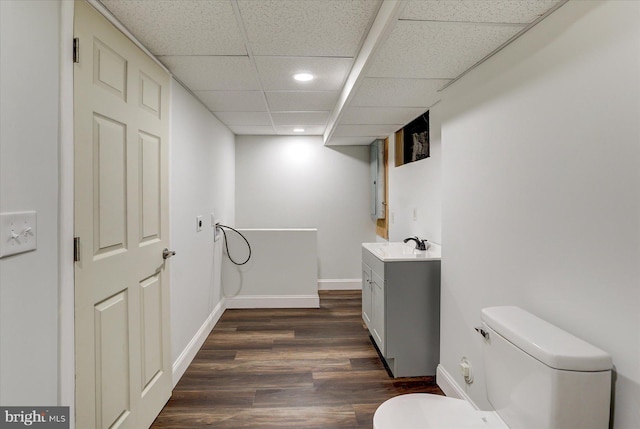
{"x": 339, "y": 284}
{"x": 449, "y": 386}
{"x": 270, "y": 301}
{"x": 447, "y": 383}
{"x": 186, "y": 357}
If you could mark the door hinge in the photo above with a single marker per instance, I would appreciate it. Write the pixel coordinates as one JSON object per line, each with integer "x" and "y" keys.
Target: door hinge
{"x": 76, "y": 249}
{"x": 76, "y": 50}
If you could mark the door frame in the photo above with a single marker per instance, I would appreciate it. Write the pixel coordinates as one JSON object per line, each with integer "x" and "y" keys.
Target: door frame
{"x": 66, "y": 271}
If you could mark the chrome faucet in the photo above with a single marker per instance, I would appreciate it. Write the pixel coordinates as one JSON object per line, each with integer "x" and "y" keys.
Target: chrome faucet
{"x": 420, "y": 244}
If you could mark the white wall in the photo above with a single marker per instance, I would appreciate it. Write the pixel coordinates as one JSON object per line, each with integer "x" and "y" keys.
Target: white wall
{"x": 417, "y": 185}
{"x": 201, "y": 182}
{"x": 541, "y": 190}
{"x": 282, "y": 271}
{"x": 29, "y": 109}
{"x": 297, "y": 182}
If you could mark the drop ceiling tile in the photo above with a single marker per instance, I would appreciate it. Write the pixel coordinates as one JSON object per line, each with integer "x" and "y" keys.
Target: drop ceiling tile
{"x": 498, "y": 11}
{"x": 301, "y": 100}
{"x": 315, "y": 130}
{"x": 365, "y": 130}
{"x": 233, "y": 101}
{"x": 202, "y": 73}
{"x": 252, "y": 130}
{"x": 351, "y": 141}
{"x": 244, "y": 118}
{"x": 398, "y": 92}
{"x": 276, "y": 73}
{"x": 422, "y": 49}
{"x": 307, "y": 28}
{"x": 300, "y": 118}
{"x": 179, "y": 27}
{"x": 380, "y": 115}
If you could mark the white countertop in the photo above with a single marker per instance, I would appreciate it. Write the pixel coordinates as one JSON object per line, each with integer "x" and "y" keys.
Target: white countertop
{"x": 398, "y": 251}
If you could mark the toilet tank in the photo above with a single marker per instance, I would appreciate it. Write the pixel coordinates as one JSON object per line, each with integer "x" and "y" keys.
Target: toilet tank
{"x": 541, "y": 377}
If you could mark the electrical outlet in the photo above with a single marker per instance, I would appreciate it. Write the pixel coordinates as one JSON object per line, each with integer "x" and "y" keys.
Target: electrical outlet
{"x": 217, "y": 232}
{"x": 465, "y": 370}
{"x": 199, "y": 223}
{"x": 17, "y": 233}
{"x": 213, "y": 219}
{"x": 415, "y": 213}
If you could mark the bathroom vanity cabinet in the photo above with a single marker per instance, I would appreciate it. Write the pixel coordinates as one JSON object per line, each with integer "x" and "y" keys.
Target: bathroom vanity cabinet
{"x": 401, "y": 307}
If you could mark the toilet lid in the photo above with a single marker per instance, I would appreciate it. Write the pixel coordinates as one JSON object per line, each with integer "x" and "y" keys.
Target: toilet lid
{"x": 427, "y": 411}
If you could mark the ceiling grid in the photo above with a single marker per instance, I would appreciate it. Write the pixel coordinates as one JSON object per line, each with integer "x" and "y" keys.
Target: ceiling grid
{"x": 377, "y": 64}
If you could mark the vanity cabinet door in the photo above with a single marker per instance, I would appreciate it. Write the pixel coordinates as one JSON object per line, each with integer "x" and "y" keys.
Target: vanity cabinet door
{"x": 366, "y": 295}
{"x": 378, "y": 310}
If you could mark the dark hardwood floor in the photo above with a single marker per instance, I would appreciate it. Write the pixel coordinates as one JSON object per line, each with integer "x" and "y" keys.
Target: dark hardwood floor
{"x": 289, "y": 368}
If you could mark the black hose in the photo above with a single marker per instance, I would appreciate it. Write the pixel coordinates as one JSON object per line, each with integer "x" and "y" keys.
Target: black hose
{"x": 226, "y": 243}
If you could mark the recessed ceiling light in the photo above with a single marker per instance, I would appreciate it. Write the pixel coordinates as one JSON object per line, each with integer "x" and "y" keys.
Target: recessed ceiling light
{"x": 298, "y": 130}
{"x": 303, "y": 77}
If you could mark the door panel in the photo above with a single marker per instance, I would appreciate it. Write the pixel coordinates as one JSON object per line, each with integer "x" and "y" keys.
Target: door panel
{"x": 123, "y": 362}
{"x": 109, "y": 69}
{"x": 366, "y": 295}
{"x": 150, "y": 186}
{"x": 151, "y": 318}
{"x": 109, "y": 183}
{"x": 112, "y": 360}
{"x": 150, "y": 94}
{"x": 378, "y": 316}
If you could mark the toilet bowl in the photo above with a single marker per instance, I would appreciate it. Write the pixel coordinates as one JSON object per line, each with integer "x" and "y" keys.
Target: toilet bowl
{"x": 427, "y": 411}
{"x": 536, "y": 376}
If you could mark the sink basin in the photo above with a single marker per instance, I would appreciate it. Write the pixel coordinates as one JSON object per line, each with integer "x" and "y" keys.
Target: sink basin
{"x": 398, "y": 251}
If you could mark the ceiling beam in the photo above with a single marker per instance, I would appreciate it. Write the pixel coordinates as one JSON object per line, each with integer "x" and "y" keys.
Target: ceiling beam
{"x": 380, "y": 29}
{"x": 247, "y": 45}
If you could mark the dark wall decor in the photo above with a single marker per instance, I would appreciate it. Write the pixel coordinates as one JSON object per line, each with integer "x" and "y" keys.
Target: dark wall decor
{"x": 416, "y": 139}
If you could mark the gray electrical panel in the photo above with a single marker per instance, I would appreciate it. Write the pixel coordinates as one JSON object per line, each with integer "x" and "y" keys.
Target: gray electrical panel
{"x": 377, "y": 179}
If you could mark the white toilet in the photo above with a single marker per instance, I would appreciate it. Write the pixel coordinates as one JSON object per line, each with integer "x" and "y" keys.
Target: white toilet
{"x": 537, "y": 377}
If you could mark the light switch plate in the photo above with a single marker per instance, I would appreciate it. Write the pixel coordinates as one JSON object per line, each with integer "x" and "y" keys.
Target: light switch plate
{"x": 18, "y": 233}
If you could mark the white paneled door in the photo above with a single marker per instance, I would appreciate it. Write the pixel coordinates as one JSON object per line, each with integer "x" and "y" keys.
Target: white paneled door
{"x": 123, "y": 365}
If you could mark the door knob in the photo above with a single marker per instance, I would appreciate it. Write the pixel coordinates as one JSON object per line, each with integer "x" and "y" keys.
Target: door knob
{"x": 166, "y": 253}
